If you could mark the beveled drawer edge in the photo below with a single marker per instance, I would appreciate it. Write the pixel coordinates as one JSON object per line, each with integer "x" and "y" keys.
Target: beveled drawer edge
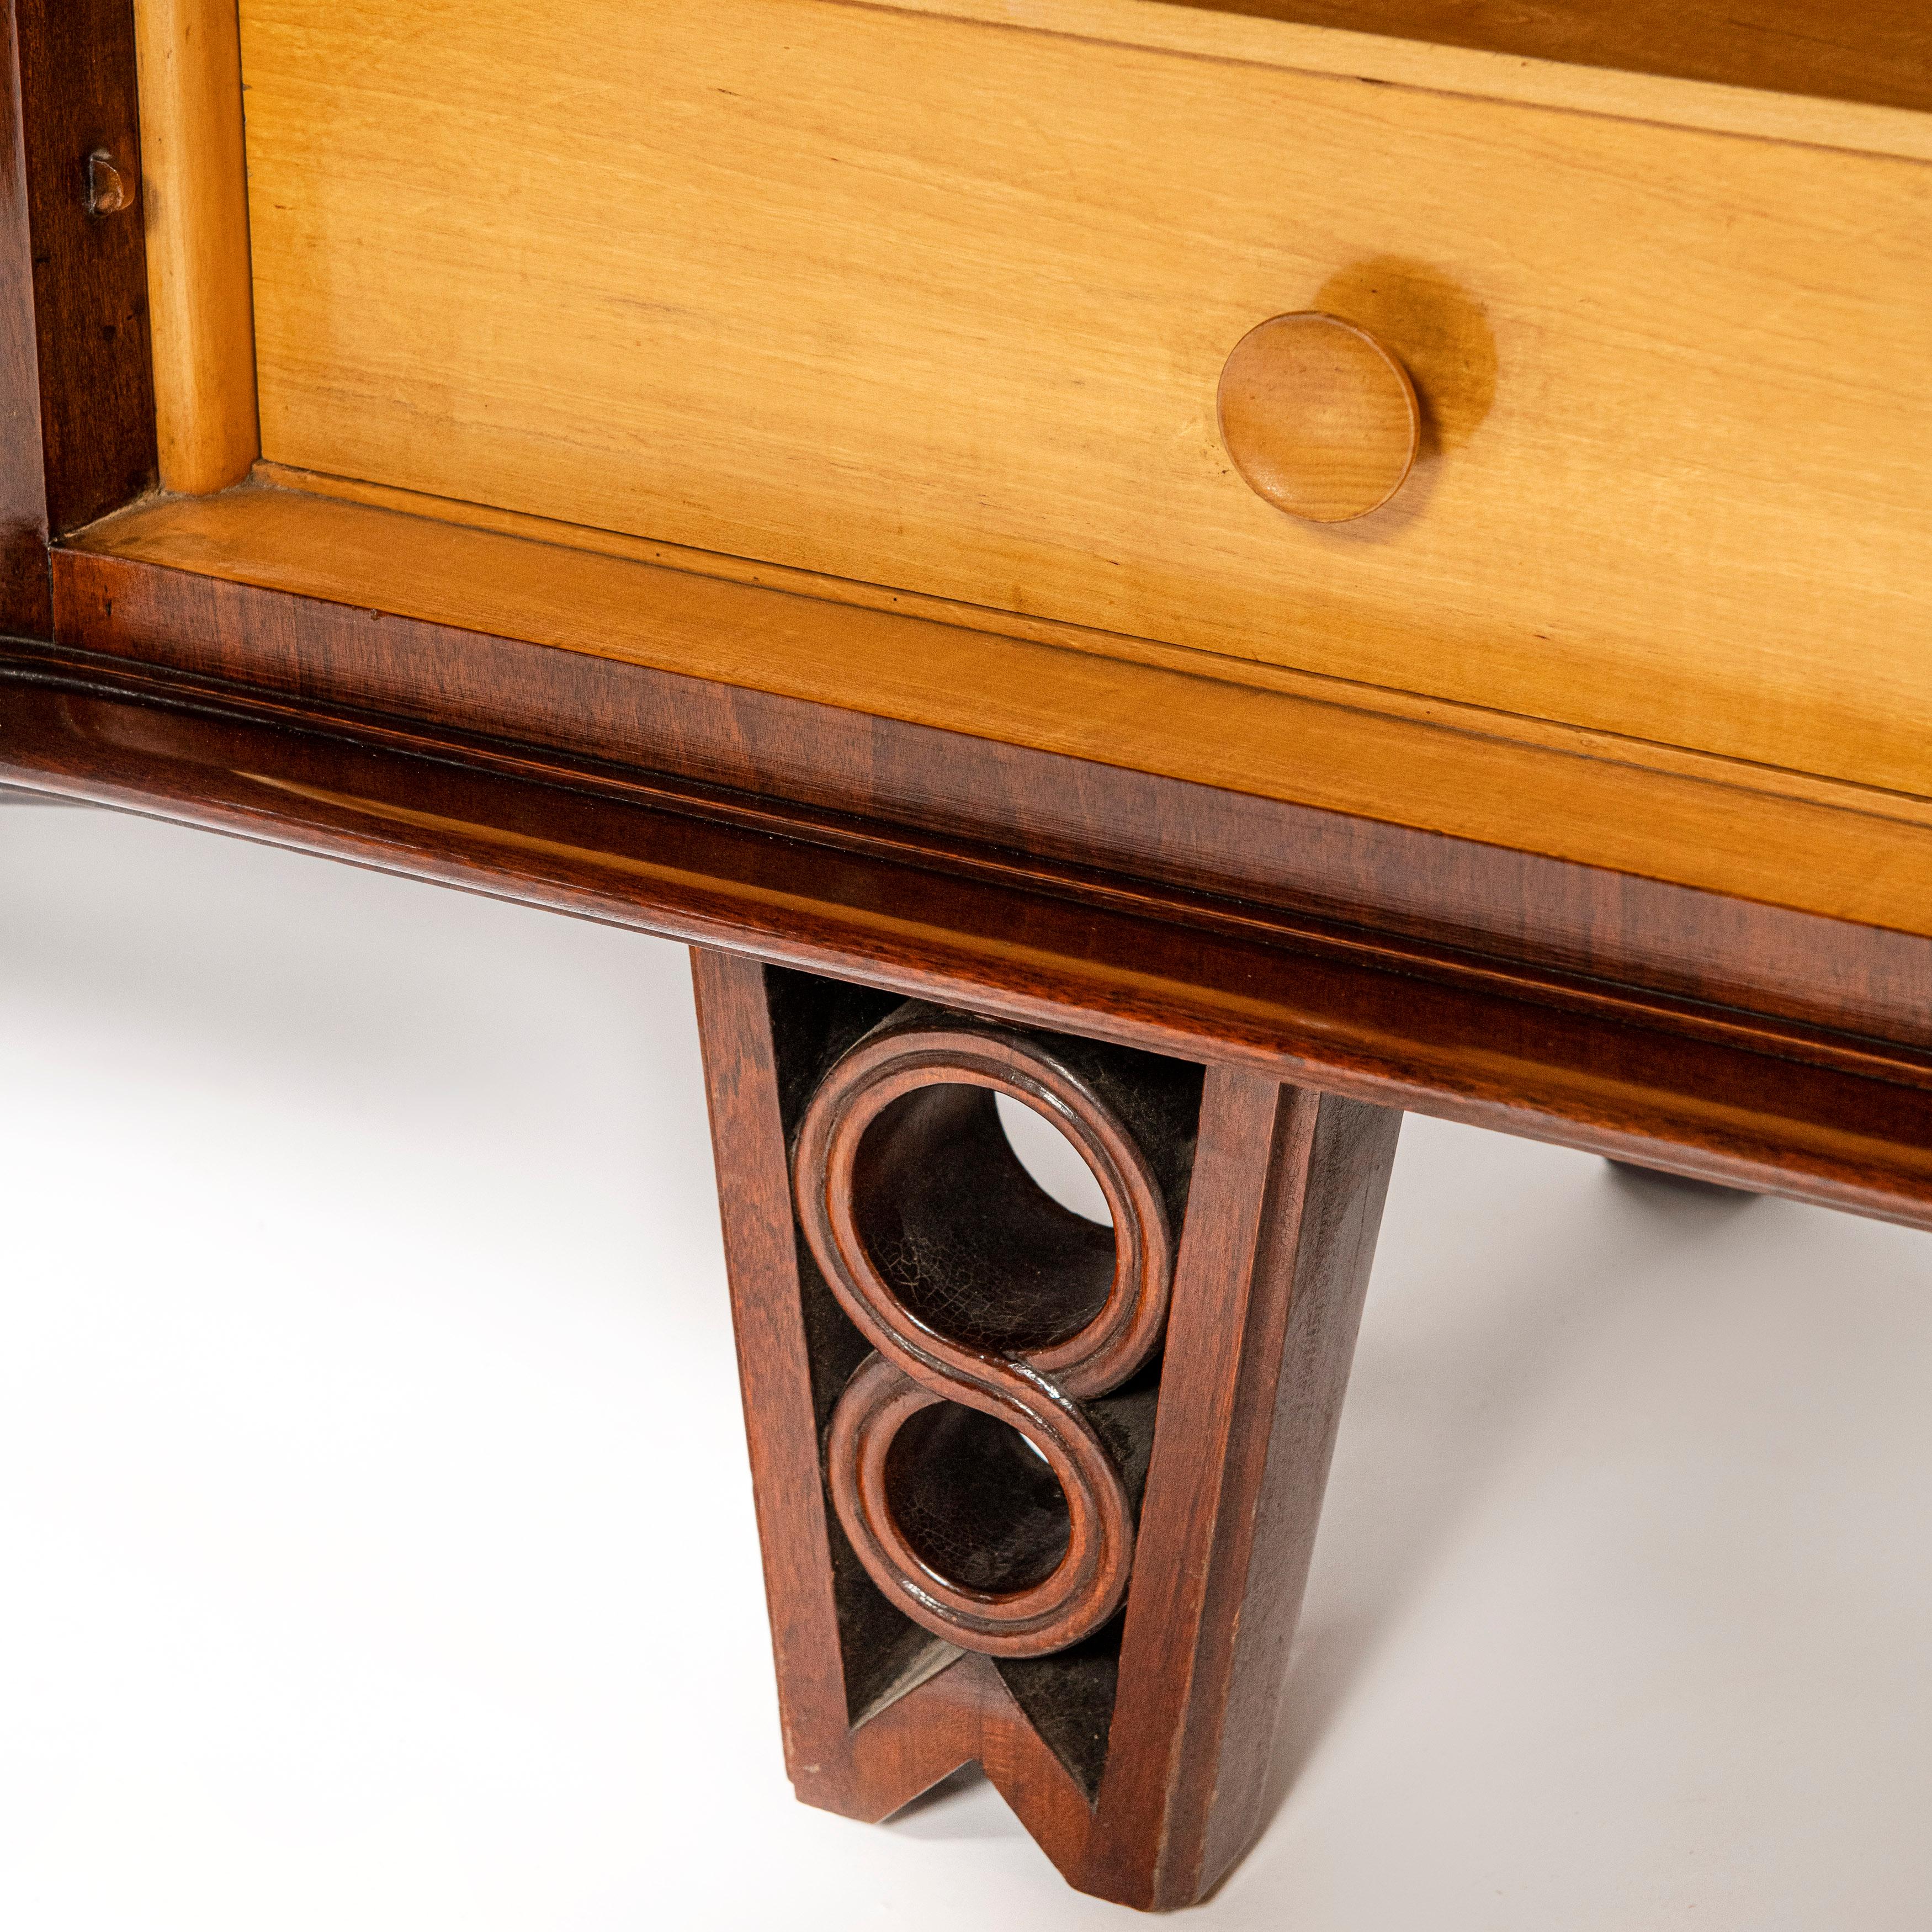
{"x": 1056, "y": 754}
{"x": 1474, "y": 720}
{"x": 1711, "y": 832}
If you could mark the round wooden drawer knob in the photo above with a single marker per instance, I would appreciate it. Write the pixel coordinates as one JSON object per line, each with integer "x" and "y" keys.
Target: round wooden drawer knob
{"x": 1319, "y": 417}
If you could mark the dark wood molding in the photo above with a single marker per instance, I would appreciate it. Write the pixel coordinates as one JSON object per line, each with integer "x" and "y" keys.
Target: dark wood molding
{"x": 1722, "y": 1097}
{"x": 1137, "y": 1751}
{"x": 1519, "y": 912}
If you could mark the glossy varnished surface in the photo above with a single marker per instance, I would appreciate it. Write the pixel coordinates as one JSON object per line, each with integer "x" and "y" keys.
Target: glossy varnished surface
{"x": 1559, "y": 877}
{"x": 1672, "y": 1085}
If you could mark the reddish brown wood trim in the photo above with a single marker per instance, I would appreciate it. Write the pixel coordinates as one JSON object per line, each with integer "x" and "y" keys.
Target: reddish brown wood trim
{"x": 1288, "y": 1189}
{"x": 90, "y": 271}
{"x": 1879, "y": 52}
{"x": 1161, "y": 972}
{"x": 1166, "y": 1716}
{"x": 712, "y": 727}
{"x": 1546, "y": 914}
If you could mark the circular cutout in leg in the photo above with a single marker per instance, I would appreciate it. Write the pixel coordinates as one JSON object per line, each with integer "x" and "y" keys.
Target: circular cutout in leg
{"x": 971, "y": 1485}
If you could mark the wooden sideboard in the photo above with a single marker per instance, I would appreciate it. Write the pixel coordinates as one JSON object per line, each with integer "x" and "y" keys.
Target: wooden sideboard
{"x": 1224, "y": 570}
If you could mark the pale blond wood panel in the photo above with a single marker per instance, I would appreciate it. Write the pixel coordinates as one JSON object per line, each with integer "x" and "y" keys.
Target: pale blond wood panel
{"x": 940, "y": 305}
{"x": 1711, "y": 830}
{"x": 194, "y": 191}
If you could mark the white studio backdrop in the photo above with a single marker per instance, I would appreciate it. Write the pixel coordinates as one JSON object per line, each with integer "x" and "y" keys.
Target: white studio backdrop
{"x": 378, "y": 1541}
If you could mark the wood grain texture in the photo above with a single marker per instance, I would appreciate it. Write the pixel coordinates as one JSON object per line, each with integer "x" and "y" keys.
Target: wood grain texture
{"x": 973, "y": 354}
{"x": 1320, "y": 419}
{"x": 1692, "y": 887}
{"x": 78, "y": 96}
{"x": 202, "y": 309}
{"x": 1676, "y": 1086}
{"x": 1282, "y": 1206}
{"x": 1287, "y": 1197}
{"x": 1501, "y": 727}
{"x": 26, "y": 606}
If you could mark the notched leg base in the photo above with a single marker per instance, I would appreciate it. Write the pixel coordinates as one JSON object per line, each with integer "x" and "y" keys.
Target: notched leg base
{"x": 1032, "y": 1491}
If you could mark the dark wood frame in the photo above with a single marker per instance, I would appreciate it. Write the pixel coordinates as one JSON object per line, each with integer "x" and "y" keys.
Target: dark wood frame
{"x": 1320, "y": 966}
{"x": 76, "y": 385}
{"x": 1282, "y": 1196}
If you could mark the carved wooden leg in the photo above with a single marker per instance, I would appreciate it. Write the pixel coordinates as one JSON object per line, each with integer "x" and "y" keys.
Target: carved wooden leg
{"x": 1032, "y": 1492}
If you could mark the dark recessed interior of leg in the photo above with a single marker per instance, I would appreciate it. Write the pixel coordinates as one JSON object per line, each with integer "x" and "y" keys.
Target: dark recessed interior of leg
{"x": 969, "y": 1241}
{"x": 1069, "y": 1696}
{"x": 975, "y": 1499}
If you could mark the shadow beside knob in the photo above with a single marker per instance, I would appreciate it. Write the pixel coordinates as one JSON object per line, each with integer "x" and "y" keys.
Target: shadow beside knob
{"x": 1319, "y": 417}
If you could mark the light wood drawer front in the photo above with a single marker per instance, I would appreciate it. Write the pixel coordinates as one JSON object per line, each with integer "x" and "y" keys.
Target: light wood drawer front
{"x": 943, "y": 305}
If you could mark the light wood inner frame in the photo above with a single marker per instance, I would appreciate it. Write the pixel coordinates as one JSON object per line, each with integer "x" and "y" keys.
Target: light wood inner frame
{"x": 195, "y": 158}
{"x": 195, "y": 198}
